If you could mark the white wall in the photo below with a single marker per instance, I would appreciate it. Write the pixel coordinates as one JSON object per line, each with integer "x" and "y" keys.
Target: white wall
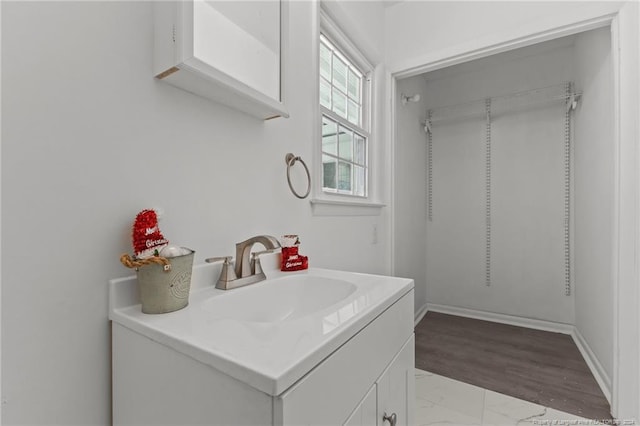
{"x": 0, "y": 221}
{"x": 363, "y": 22}
{"x": 593, "y": 195}
{"x": 626, "y": 380}
{"x": 89, "y": 138}
{"x": 421, "y": 32}
{"x": 409, "y": 195}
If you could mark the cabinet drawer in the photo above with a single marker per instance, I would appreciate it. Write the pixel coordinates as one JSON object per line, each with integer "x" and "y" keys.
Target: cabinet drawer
{"x": 317, "y": 399}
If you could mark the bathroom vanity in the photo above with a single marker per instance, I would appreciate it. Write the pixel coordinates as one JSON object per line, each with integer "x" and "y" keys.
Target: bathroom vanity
{"x": 315, "y": 347}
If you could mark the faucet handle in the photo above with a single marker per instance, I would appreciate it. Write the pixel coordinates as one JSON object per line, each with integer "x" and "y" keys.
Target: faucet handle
{"x": 227, "y": 273}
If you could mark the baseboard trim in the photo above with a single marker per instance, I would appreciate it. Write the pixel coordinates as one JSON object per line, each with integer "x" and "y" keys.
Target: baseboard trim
{"x": 420, "y": 314}
{"x": 603, "y": 379}
{"x": 536, "y": 324}
{"x": 589, "y": 356}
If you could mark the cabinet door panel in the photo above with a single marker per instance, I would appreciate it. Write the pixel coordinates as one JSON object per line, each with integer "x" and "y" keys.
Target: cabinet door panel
{"x": 365, "y": 412}
{"x": 396, "y": 388}
{"x": 241, "y": 39}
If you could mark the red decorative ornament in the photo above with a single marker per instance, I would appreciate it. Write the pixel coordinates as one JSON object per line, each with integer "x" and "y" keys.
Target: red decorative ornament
{"x": 291, "y": 260}
{"x": 146, "y": 236}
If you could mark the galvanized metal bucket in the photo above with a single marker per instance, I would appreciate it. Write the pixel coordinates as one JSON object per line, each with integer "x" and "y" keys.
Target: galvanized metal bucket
{"x": 163, "y": 291}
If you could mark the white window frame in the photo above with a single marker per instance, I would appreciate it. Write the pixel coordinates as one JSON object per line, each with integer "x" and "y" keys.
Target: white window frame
{"x": 347, "y": 49}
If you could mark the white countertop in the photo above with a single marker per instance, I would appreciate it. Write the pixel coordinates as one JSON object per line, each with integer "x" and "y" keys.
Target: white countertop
{"x": 270, "y": 356}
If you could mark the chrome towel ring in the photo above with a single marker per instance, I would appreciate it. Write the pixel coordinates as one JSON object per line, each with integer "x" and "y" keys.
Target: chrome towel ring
{"x": 291, "y": 159}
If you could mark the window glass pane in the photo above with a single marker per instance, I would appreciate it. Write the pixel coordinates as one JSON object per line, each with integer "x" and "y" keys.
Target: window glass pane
{"x": 360, "y": 149}
{"x": 339, "y": 104}
{"x": 359, "y": 179}
{"x": 329, "y": 172}
{"x": 353, "y": 112}
{"x": 329, "y": 136}
{"x": 340, "y": 74}
{"x": 354, "y": 86}
{"x": 345, "y": 151}
{"x": 325, "y": 62}
{"x": 325, "y": 94}
{"x": 344, "y": 176}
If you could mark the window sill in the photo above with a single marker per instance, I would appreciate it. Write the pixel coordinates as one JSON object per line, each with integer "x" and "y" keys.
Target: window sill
{"x": 322, "y": 207}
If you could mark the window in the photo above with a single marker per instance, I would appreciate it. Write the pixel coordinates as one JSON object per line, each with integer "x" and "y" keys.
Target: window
{"x": 344, "y": 108}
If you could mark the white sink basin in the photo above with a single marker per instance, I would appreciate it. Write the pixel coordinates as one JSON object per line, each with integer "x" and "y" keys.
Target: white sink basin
{"x": 280, "y": 299}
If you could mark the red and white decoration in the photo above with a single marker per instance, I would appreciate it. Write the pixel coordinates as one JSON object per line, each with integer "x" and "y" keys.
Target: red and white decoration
{"x": 291, "y": 259}
{"x": 147, "y": 239}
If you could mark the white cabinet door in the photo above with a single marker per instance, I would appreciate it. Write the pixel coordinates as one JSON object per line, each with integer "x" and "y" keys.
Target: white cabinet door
{"x": 365, "y": 412}
{"x": 231, "y": 52}
{"x": 396, "y": 389}
{"x": 241, "y": 39}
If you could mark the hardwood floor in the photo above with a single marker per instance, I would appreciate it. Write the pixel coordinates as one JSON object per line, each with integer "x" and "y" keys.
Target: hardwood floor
{"x": 537, "y": 366}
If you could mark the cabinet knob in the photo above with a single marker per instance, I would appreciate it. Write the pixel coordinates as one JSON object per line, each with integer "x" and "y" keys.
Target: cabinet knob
{"x": 391, "y": 419}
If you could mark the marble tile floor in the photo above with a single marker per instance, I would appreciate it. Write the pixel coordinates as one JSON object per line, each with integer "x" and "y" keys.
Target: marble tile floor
{"x": 444, "y": 401}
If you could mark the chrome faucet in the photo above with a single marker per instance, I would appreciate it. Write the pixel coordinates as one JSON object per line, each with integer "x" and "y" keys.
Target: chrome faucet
{"x": 247, "y": 264}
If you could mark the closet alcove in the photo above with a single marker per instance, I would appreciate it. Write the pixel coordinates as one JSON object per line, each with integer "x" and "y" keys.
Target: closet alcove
{"x": 504, "y": 199}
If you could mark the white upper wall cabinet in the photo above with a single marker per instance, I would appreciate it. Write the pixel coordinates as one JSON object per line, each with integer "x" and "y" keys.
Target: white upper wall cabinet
{"x": 229, "y": 52}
